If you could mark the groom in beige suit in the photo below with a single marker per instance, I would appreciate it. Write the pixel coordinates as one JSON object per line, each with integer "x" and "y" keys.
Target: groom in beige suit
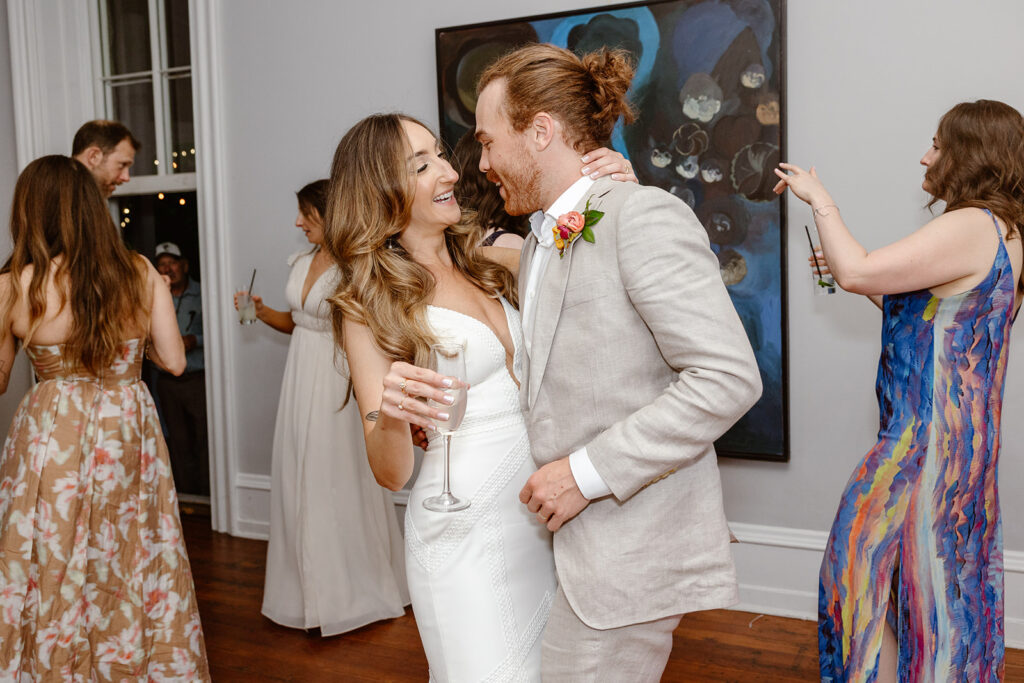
{"x": 637, "y": 362}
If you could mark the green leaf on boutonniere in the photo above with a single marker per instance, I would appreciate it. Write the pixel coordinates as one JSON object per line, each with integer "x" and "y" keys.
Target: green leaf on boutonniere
{"x": 587, "y": 234}
{"x": 590, "y": 217}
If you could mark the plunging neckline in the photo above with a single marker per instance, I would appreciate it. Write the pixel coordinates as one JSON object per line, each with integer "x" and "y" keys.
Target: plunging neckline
{"x": 304, "y": 293}
{"x": 508, "y": 327}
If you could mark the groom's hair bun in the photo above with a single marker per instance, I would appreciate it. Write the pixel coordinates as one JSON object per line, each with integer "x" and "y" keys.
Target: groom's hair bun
{"x": 586, "y": 94}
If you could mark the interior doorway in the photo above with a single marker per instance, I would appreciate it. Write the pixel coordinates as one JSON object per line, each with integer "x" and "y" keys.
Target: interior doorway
{"x": 164, "y": 227}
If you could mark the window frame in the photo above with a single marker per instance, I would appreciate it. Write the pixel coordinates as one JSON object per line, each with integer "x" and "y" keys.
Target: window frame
{"x": 159, "y": 75}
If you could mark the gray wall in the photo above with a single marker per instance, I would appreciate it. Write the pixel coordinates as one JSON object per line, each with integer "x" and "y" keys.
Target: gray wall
{"x": 20, "y": 378}
{"x": 867, "y": 83}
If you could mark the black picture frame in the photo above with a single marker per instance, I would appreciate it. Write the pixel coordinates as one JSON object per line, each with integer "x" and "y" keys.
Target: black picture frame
{"x": 710, "y": 94}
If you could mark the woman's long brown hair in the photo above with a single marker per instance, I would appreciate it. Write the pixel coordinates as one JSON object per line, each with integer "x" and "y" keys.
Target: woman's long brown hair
{"x": 381, "y": 286}
{"x": 60, "y": 226}
{"x": 981, "y": 161}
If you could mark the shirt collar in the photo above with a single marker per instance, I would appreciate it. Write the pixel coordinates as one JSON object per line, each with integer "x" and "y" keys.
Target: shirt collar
{"x": 541, "y": 222}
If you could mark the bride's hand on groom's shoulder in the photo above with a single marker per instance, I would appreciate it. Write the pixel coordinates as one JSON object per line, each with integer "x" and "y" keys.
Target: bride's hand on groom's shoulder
{"x": 406, "y": 390}
{"x": 603, "y": 161}
{"x": 551, "y": 493}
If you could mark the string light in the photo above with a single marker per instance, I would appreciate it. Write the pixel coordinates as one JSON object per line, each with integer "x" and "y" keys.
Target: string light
{"x": 174, "y": 154}
{"x": 182, "y": 201}
{"x": 174, "y": 164}
{"x": 160, "y": 195}
{"x": 127, "y": 210}
{"x": 127, "y": 220}
{"x": 193, "y": 150}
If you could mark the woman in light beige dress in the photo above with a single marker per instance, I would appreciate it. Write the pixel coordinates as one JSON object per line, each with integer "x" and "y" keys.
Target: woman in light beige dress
{"x": 94, "y": 580}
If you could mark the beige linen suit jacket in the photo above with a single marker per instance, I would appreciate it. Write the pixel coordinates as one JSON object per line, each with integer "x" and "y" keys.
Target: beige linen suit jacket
{"x": 639, "y": 355}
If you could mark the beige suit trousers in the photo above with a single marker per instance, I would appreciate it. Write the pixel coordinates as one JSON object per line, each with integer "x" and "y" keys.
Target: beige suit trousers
{"x": 636, "y": 653}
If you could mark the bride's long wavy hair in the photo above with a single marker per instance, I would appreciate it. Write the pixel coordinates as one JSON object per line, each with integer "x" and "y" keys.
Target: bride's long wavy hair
{"x": 60, "y": 226}
{"x": 369, "y": 204}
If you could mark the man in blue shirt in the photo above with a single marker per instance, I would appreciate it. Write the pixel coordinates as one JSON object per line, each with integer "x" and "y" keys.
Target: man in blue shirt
{"x": 183, "y": 399}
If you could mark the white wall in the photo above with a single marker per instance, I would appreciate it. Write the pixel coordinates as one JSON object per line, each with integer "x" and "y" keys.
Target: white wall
{"x": 20, "y": 378}
{"x": 867, "y": 83}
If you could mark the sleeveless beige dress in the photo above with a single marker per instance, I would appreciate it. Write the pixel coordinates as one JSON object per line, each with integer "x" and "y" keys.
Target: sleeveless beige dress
{"x": 94, "y": 580}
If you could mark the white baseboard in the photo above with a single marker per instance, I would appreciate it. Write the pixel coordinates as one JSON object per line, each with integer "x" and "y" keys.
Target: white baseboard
{"x": 252, "y": 517}
{"x": 252, "y": 500}
{"x": 778, "y": 574}
{"x": 777, "y": 566}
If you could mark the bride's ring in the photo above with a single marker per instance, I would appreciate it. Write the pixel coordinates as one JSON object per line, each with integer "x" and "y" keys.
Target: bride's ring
{"x": 402, "y": 387}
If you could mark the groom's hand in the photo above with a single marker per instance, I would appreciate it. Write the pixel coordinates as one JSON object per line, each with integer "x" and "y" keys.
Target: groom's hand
{"x": 551, "y": 493}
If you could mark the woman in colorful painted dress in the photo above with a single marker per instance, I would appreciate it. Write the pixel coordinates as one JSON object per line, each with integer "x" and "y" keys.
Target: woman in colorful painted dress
{"x": 94, "y": 579}
{"x": 911, "y": 585}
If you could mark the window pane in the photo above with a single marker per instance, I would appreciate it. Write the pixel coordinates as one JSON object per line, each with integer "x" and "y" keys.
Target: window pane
{"x": 183, "y": 145}
{"x": 176, "y": 18}
{"x": 133, "y": 106}
{"x": 149, "y": 219}
{"x": 128, "y": 27}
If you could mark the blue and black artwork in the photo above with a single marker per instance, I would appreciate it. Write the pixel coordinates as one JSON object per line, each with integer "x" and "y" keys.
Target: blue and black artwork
{"x": 708, "y": 93}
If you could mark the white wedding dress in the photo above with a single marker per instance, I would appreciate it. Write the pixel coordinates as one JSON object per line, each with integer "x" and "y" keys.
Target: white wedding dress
{"x": 481, "y": 579}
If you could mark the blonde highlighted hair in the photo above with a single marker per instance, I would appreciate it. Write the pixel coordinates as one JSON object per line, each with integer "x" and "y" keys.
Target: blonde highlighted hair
{"x": 369, "y": 204}
{"x": 60, "y": 226}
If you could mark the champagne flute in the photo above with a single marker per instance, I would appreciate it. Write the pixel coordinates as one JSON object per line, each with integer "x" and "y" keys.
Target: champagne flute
{"x": 449, "y": 359}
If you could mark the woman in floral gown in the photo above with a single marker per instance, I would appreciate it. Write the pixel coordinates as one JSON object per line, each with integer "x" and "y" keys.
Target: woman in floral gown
{"x": 94, "y": 579}
{"x": 911, "y": 584}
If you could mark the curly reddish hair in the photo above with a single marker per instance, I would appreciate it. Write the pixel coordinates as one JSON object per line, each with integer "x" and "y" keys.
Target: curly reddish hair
{"x": 586, "y": 94}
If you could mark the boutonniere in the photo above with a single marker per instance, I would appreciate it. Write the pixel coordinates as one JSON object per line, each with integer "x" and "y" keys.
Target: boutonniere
{"x": 571, "y": 226}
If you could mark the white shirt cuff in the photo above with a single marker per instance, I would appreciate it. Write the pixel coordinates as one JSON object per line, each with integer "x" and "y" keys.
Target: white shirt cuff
{"x": 590, "y": 483}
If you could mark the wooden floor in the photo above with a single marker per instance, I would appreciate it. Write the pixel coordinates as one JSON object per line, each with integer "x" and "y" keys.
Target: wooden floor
{"x": 244, "y": 646}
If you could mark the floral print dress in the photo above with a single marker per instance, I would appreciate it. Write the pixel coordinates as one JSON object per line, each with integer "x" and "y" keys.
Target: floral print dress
{"x": 94, "y": 580}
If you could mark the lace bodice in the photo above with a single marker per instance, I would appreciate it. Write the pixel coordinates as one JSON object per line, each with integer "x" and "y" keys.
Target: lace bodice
{"x": 493, "y": 397}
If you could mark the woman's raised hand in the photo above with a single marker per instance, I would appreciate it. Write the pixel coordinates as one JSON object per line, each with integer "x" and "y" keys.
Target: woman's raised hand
{"x": 405, "y": 387}
{"x": 804, "y": 184}
{"x": 603, "y": 161}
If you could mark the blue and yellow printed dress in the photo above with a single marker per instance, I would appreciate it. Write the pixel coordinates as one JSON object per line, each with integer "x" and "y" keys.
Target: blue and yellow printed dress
{"x": 917, "y": 541}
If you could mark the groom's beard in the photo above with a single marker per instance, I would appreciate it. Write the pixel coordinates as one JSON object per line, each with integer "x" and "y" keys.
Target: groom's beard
{"x": 521, "y": 183}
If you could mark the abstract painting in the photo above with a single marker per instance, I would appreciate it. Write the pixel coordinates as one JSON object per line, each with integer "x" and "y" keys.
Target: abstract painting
{"x": 709, "y": 93}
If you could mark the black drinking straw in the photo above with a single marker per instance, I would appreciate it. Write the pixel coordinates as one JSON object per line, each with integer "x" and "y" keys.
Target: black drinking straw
{"x": 253, "y": 278}
{"x": 809, "y": 241}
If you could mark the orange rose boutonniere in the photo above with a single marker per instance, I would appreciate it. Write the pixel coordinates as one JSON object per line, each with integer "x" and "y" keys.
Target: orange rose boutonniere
{"x": 573, "y": 225}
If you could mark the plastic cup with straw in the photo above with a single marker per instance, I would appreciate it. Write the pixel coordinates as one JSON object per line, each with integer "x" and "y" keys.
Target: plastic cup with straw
{"x": 824, "y": 283}
{"x": 246, "y": 306}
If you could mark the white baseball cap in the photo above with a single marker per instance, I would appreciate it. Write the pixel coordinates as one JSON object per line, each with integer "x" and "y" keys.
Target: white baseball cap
{"x": 167, "y": 248}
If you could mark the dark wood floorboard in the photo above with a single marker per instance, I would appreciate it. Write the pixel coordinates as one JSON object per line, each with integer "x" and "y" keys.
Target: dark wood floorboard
{"x": 709, "y": 647}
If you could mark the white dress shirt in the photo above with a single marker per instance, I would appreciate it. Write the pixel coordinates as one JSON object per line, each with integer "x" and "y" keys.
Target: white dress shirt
{"x": 590, "y": 483}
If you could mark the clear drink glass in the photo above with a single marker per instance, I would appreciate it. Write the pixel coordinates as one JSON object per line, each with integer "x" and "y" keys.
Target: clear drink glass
{"x": 449, "y": 359}
{"x": 246, "y": 309}
{"x": 824, "y": 283}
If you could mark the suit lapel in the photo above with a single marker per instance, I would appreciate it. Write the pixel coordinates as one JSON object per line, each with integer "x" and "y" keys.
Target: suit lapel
{"x": 550, "y": 294}
{"x": 525, "y": 259}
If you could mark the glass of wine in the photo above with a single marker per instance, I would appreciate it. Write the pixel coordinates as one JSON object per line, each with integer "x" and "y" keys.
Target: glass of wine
{"x": 449, "y": 359}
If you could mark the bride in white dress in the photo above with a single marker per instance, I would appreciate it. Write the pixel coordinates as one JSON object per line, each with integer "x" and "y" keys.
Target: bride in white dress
{"x": 481, "y": 579}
